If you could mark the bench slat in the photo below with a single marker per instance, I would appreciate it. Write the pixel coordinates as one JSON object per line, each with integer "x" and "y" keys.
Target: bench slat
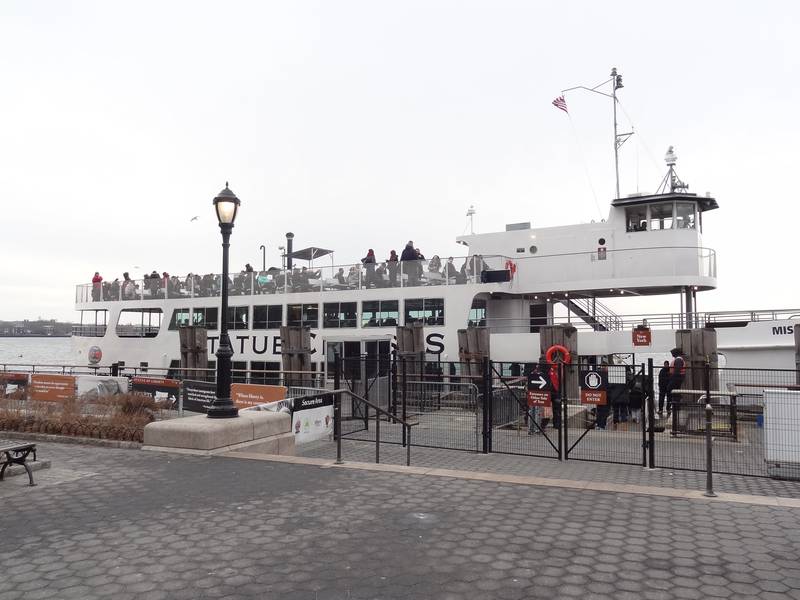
{"x": 10, "y": 445}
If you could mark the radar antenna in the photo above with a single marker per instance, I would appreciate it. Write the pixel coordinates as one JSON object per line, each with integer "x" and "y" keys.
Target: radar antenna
{"x": 470, "y": 216}
{"x": 672, "y": 183}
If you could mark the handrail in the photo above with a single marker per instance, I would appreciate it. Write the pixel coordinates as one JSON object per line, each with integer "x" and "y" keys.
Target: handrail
{"x": 357, "y": 397}
{"x": 337, "y": 421}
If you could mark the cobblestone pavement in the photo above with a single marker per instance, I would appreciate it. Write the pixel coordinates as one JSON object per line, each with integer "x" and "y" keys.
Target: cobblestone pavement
{"x": 131, "y": 524}
{"x": 579, "y": 470}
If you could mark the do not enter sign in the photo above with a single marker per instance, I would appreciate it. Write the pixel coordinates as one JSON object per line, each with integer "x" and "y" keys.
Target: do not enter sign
{"x": 593, "y": 387}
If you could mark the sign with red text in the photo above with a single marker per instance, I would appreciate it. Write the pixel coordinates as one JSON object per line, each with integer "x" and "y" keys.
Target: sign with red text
{"x": 642, "y": 336}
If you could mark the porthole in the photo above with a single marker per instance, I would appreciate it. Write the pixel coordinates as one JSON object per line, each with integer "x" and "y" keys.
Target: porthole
{"x": 602, "y": 241}
{"x": 534, "y": 249}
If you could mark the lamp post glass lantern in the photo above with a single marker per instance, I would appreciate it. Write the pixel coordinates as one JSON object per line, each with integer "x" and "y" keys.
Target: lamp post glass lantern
{"x": 226, "y": 205}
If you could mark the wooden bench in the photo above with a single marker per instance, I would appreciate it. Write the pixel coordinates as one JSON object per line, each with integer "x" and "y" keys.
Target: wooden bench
{"x": 16, "y": 453}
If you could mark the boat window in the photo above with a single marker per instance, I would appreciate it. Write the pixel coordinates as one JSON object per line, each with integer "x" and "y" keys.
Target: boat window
{"x": 205, "y": 317}
{"x": 636, "y": 218}
{"x": 139, "y": 322}
{"x": 92, "y": 323}
{"x": 268, "y": 317}
{"x": 684, "y": 215}
{"x": 305, "y": 315}
{"x": 180, "y": 318}
{"x": 237, "y": 317}
{"x": 265, "y": 372}
{"x": 429, "y": 311}
{"x": 339, "y": 314}
{"x": 477, "y": 314}
{"x": 380, "y": 313}
{"x": 661, "y": 216}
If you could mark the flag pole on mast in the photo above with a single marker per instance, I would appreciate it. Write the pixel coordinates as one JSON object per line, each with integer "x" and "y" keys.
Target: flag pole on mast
{"x": 619, "y": 138}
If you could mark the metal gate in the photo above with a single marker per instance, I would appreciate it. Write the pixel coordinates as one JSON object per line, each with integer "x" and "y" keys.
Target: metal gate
{"x": 445, "y": 409}
{"x": 565, "y": 426}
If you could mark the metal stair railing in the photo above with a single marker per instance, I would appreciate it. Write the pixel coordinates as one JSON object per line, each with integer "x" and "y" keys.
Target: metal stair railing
{"x": 595, "y": 313}
{"x": 337, "y": 421}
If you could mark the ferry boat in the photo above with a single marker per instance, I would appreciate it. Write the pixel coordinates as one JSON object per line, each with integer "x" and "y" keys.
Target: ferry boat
{"x": 513, "y": 282}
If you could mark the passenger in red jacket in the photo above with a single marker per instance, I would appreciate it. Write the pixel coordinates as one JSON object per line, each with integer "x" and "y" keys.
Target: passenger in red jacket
{"x": 97, "y": 286}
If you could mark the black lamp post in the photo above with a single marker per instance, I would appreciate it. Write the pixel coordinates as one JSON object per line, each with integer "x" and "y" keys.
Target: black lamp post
{"x": 227, "y": 205}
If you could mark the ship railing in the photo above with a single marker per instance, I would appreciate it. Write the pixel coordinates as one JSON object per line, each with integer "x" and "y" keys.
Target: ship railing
{"x": 351, "y": 276}
{"x": 651, "y": 320}
{"x": 89, "y": 330}
{"x": 624, "y": 263}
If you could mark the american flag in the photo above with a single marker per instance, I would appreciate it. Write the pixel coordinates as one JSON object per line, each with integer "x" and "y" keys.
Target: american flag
{"x": 561, "y": 103}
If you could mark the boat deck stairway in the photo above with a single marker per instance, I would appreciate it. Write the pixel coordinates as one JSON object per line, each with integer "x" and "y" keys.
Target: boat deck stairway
{"x": 593, "y": 312}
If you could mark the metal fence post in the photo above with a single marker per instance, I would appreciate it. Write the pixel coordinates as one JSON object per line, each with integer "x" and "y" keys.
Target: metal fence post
{"x": 487, "y": 392}
{"x": 404, "y": 414}
{"x": 408, "y": 447}
{"x": 709, "y": 465}
{"x": 394, "y": 383}
{"x": 337, "y": 406}
{"x": 562, "y": 408}
{"x": 377, "y": 437}
{"x": 563, "y": 454}
{"x": 337, "y": 426}
{"x": 651, "y": 416}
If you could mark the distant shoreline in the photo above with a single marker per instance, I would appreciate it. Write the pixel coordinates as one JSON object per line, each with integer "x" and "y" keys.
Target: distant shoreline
{"x": 35, "y": 335}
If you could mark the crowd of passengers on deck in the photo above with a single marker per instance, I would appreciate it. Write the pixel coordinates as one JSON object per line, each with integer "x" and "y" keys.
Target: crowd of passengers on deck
{"x": 411, "y": 266}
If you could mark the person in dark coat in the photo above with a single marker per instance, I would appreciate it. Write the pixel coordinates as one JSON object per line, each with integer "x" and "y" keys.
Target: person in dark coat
{"x": 393, "y": 265}
{"x": 369, "y": 263}
{"x": 663, "y": 382}
{"x": 409, "y": 256}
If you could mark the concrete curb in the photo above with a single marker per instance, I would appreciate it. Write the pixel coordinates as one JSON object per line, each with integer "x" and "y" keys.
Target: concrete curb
{"x": 68, "y": 439}
{"x": 34, "y": 465}
{"x": 597, "y": 486}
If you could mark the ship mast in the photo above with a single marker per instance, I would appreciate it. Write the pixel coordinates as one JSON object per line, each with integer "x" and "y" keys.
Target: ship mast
{"x": 619, "y": 138}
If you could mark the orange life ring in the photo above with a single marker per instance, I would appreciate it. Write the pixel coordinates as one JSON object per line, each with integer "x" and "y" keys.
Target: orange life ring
{"x": 564, "y": 354}
{"x": 511, "y": 267}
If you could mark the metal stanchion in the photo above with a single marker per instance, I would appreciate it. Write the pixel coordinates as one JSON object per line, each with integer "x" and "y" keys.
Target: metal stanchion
{"x": 709, "y": 466}
{"x": 337, "y": 406}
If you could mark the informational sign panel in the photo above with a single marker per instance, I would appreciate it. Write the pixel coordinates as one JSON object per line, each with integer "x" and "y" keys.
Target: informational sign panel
{"x": 13, "y": 383}
{"x": 642, "y": 336}
{"x": 159, "y": 388}
{"x": 312, "y": 419}
{"x": 250, "y": 394}
{"x": 538, "y": 390}
{"x": 593, "y": 387}
{"x": 99, "y": 386}
{"x": 198, "y": 394}
{"x": 52, "y": 388}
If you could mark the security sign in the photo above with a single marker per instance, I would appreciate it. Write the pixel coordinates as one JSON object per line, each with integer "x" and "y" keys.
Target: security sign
{"x": 593, "y": 387}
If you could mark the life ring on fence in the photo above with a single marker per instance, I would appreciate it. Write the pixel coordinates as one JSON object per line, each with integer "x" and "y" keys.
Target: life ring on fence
{"x": 511, "y": 267}
{"x": 562, "y": 353}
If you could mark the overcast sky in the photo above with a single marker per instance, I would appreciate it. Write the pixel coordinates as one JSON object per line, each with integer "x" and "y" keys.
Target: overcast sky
{"x": 365, "y": 124}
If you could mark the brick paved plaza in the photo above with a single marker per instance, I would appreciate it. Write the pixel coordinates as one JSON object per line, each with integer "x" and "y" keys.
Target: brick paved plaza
{"x": 132, "y": 524}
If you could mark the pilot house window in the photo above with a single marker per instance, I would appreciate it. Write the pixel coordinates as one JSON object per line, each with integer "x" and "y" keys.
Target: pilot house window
{"x": 684, "y": 215}
{"x": 661, "y": 216}
{"x": 636, "y": 218}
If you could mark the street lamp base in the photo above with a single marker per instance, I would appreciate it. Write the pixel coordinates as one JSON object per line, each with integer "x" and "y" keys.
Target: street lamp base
{"x": 222, "y": 410}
